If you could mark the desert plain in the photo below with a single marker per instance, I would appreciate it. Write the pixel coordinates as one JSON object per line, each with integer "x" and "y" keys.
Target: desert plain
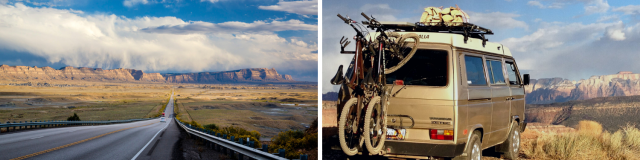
{"x": 267, "y": 108}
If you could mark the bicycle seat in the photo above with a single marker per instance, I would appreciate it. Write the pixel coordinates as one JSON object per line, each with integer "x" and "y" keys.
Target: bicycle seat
{"x": 338, "y": 78}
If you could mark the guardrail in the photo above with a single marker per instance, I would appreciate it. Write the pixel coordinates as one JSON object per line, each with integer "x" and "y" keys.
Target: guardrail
{"x": 220, "y": 143}
{"x": 41, "y": 124}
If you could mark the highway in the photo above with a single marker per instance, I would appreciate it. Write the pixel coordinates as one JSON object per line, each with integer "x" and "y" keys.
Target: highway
{"x": 150, "y": 139}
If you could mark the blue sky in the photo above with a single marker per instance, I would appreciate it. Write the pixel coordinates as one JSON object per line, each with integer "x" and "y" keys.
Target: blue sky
{"x": 572, "y": 39}
{"x": 162, "y": 35}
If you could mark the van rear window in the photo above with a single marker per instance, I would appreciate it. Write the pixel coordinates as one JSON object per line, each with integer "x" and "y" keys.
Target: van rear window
{"x": 426, "y": 67}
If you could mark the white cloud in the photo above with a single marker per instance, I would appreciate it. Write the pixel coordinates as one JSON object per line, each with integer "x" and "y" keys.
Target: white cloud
{"x": 596, "y": 6}
{"x": 577, "y": 50}
{"x": 608, "y": 18}
{"x": 535, "y": 3}
{"x": 131, "y": 3}
{"x": 616, "y": 32}
{"x": 497, "y": 20}
{"x": 590, "y": 6}
{"x": 232, "y": 27}
{"x": 303, "y": 7}
{"x": 628, "y": 10}
{"x": 555, "y": 5}
{"x": 110, "y": 41}
{"x": 212, "y": 1}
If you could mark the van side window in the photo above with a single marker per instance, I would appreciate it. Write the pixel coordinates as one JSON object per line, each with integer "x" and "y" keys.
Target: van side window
{"x": 475, "y": 70}
{"x": 511, "y": 72}
{"x": 495, "y": 72}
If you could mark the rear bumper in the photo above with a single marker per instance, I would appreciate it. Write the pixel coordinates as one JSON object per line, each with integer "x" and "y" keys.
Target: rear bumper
{"x": 398, "y": 148}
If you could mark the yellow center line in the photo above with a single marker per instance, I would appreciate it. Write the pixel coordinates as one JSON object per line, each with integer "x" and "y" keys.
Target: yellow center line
{"x": 74, "y": 143}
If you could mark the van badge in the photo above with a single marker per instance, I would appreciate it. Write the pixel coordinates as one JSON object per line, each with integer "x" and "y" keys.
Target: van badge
{"x": 439, "y": 122}
{"x": 439, "y": 118}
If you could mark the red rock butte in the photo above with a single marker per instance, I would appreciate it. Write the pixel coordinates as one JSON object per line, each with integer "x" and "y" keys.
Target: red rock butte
{"x": 549, "y": 90}
{"x": 250, "y": 75}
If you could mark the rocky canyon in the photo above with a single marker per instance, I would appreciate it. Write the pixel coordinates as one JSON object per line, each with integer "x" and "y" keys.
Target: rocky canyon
{"x": 250, "y": 75}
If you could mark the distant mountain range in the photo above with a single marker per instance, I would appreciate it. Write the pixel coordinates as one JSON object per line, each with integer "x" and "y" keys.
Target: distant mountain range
{"x": 250, "y": 75}
{"x": 551, "y": 90}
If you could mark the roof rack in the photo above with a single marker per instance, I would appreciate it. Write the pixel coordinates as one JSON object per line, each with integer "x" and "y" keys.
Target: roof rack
{"x": 466, "y": 29}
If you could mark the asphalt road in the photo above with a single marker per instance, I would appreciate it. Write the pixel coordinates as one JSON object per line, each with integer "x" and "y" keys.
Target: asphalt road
{"x": 150, "y": 139}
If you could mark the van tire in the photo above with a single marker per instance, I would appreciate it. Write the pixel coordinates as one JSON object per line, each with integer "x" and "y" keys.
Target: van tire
{"x": 474, "y": 144}
{"x": 511, "y": 146}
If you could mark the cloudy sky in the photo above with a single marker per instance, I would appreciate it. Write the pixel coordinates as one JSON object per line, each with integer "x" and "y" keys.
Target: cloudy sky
{"x": 572, "y": 39}
{"x": 162, "y": 35}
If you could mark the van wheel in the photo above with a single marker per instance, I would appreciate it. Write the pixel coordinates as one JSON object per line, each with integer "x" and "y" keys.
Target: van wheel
{"x": 474, "y": 149}
{"x": 511, "y": 146}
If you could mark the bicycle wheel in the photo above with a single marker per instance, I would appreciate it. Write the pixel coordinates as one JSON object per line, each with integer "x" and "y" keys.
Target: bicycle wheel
{"x": 398, "y": 52}
{"x": 374, "y": 126}
{"x": 350, "y": 140}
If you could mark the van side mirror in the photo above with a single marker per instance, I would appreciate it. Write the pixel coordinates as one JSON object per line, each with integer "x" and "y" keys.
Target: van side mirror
{"x": 526, "y": 79}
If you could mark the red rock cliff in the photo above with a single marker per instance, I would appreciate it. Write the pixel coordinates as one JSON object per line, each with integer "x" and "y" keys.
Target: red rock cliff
{"x": 549, "y": 90}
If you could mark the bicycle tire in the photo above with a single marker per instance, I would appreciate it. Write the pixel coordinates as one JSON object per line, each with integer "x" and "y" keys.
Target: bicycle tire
{"x": 374, "y": 149}
{"x": 341, "y": 129}
{"x": 402, "y": 39}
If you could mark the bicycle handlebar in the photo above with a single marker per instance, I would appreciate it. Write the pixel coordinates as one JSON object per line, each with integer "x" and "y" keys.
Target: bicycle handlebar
{"x": 365, "y": 16}
{"x": 344, "y": 19}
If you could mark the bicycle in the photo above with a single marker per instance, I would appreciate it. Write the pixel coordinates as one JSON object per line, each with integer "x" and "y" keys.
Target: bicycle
{"x": 370, "y": 91}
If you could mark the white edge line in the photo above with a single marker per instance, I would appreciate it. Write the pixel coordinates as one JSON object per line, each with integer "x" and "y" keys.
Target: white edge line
{"x": 145, "y": 146}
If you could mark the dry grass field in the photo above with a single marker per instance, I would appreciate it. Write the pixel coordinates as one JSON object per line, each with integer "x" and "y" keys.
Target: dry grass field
{"x": 268, "y": 109}
{"x": 90, "y": 100}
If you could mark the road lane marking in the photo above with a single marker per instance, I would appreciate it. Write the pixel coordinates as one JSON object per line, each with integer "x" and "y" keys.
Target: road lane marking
{"x": 154, "y": 137}
{"x": 74, "y": 143}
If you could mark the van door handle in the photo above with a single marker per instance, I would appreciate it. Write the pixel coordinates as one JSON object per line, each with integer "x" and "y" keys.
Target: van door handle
{"x": 509, "y": 98}
{"x": 481, "y": 99}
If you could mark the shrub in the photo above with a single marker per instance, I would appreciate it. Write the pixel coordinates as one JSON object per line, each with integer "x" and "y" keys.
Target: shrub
{"x": 590, "y": 128}
{"x": 294, "y": 142}
{"x": 73, "y": 118}
{"x": 589, "y": 142}
{"x": 211, "y": 126}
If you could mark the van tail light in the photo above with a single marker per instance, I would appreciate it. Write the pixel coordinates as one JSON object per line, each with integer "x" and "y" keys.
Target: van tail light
{"x": 399, "y": 82}
{"x": 441, "y": 134}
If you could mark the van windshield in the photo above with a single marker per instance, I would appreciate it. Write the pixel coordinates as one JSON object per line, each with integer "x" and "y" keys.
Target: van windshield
{"x": 426, "y": 67}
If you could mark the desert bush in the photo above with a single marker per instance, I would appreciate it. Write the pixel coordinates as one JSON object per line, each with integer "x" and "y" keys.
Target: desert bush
{"x": 589, "y": 142}
{"x": 297, "y": 142}
{"x": 632, "y": 136}
{"x": 211, "y": 126}
{"x": 592, "y": 128}
{"x": 73, "y": 118}
{"x": 294, "y": 142}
